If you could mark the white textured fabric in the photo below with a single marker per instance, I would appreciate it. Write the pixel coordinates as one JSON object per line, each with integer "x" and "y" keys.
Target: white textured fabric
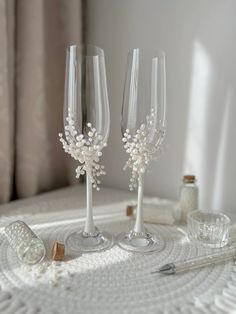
{"x": 112, "y": 281}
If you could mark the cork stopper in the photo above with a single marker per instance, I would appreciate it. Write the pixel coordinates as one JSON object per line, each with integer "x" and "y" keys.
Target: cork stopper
{"x": 189, "y": 179}
{"x": 129, "y": 210}
{"x": 58, "y": 251}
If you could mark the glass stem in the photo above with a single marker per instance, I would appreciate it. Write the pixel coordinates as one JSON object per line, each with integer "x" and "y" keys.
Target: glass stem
{"x": 139, "y": 226}
{"x": 89, "y": 224}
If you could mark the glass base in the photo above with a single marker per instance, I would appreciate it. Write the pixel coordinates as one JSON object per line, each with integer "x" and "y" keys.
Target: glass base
{"x": 89, "y": 242}
{"x": 201, "y": 243}
{"x": 142, "y": 242}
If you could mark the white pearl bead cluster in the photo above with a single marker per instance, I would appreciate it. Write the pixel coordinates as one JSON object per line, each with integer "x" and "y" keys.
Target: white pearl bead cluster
{"x": 87, "y": 150}
{"x": 142, "y": 147}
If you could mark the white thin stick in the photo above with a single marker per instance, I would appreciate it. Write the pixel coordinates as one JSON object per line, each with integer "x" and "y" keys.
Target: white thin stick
{"x": 139, "y": 226}
{"x": 89, "y": 224}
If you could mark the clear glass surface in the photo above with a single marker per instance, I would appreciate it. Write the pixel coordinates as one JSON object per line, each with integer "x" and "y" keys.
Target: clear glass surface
{"x": 86, "y": 109}
{"x": 143, "y": 127}
{"x": 208, "y": 229}
{"x": 29, "y": 248}
{"x": 86, "y": 99}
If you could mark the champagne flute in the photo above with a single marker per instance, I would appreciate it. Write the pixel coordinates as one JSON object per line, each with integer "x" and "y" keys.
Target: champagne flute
{"x": 86, "y": 130}
{"x": 143, "y": 128}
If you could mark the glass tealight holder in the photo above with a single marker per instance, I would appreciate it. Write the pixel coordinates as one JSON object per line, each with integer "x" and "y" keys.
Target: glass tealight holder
{"x": 208, "y": 229}
{"x": 30, "y": 249}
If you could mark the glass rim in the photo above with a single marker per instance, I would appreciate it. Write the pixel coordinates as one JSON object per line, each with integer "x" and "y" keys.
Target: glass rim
{"x": 40, "y": 258}
{"x": 72, "y": 46}
{"x": 190, "y": 216}
{"x": 159, "y": 53}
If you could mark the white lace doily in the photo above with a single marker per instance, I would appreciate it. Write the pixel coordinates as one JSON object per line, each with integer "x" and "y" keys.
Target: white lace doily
{"x": 113, "y": 281}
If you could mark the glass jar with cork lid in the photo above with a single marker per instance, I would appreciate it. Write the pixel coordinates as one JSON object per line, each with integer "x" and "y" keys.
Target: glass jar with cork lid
{"x": 188, "y": 196}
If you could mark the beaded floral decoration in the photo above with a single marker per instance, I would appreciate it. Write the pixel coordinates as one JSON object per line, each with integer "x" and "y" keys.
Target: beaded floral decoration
{"x": 86, "y": 150}
{"x": 141, "y": 148}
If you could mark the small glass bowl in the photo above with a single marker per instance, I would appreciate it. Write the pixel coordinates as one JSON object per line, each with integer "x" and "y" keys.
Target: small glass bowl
{"x": 208, "y": 229}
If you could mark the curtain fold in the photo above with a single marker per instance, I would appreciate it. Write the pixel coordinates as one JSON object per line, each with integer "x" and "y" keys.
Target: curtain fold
{"x": 31, "y": 107}
{"x": 7, "y": 96}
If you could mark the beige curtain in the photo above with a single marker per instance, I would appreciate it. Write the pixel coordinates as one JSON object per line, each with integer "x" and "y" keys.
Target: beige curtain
{"x": 34, "y": 35}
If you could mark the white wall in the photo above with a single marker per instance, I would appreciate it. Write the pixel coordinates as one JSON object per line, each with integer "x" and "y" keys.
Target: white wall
{"x": 199, "y": 38}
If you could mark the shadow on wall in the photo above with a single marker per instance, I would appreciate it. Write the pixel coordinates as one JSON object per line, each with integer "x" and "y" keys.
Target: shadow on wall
{"x": 199, "y": 41}
{"x": 210, "y": 151}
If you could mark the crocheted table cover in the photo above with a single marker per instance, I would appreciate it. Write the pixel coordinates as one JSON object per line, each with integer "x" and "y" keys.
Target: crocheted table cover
{"x": 113, "y": 281}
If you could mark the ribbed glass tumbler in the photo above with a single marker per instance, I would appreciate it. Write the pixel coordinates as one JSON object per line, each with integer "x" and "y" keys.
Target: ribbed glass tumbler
{"x": 208, "y": 229}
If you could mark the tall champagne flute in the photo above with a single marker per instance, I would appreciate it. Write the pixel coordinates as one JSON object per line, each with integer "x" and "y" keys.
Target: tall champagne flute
{"x": 86, "y": 130}
{"x": 143, "y": 128}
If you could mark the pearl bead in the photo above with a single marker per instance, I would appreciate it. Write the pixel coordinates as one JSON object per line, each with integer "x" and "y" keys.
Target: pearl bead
{"x": 83, "y": 150}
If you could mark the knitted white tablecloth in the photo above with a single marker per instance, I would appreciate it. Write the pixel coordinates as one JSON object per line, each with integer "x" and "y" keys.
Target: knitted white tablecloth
{"x": 112, "y": 281}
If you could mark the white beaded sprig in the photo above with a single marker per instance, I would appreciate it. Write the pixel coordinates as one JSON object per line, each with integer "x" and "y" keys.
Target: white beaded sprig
{"x": 86, "y": 151}
{"x": 141, "y": 148}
